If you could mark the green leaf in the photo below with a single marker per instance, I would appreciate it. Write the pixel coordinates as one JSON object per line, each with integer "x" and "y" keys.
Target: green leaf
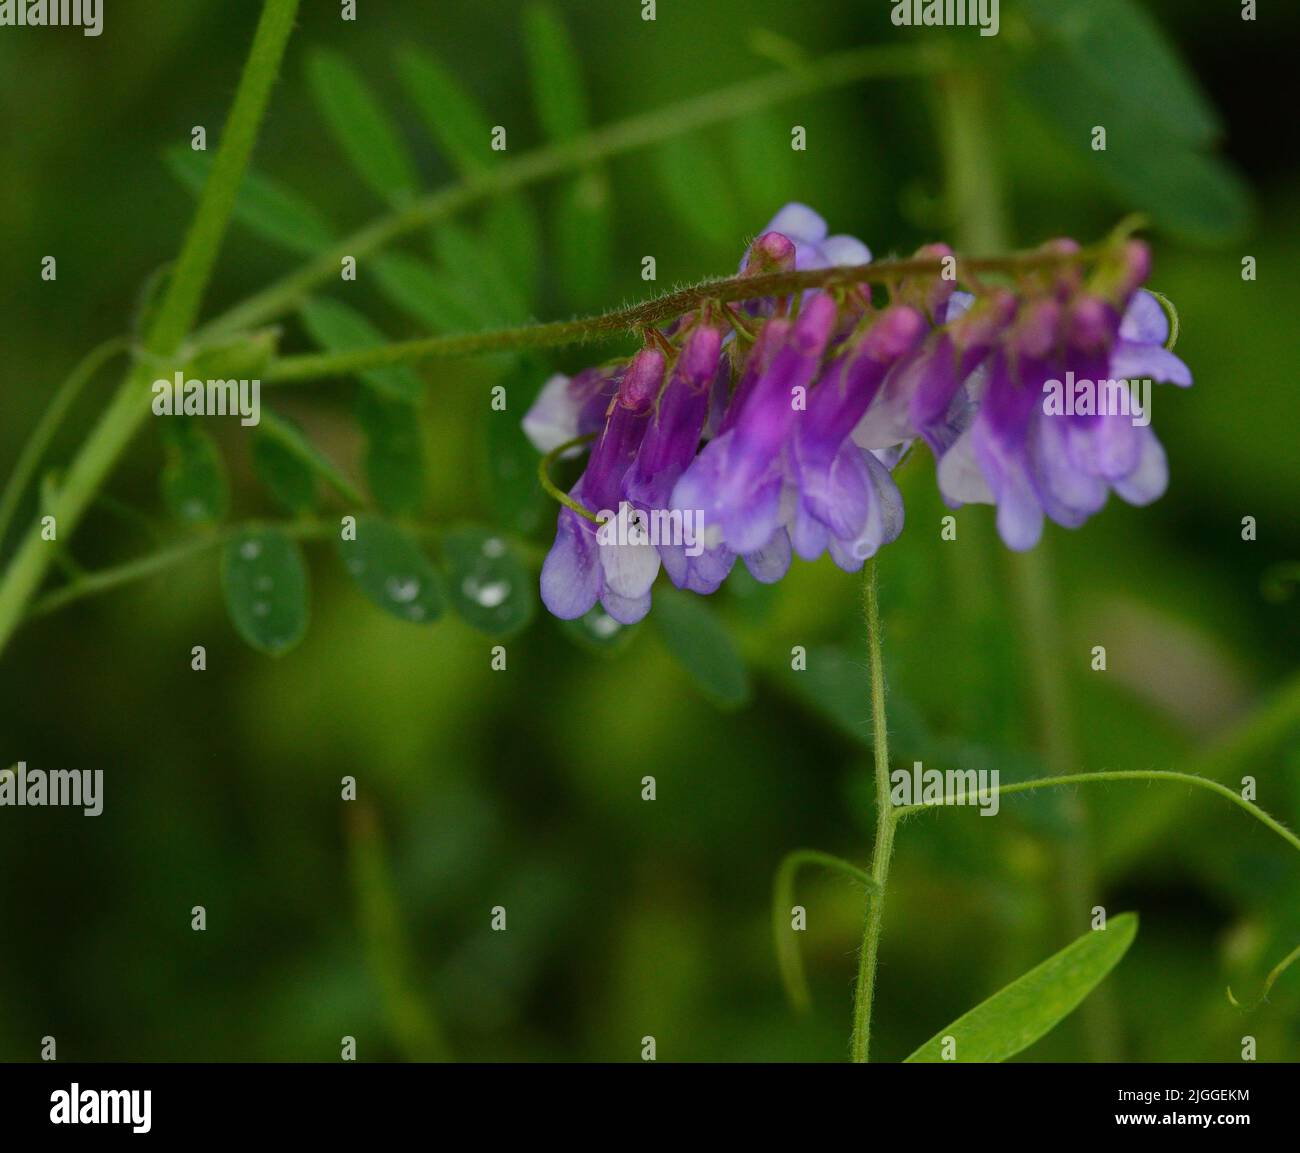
{"x": 339, "y": 327}
{"x": 194, "y": 485}
{"x": 289, "y": 440}
{"x": 394, "y": 574}
{"x": 697, "y": 187}
{"x": 1115, "y": 48}
{"x": 1017, "y": 1016}
{"x": 481, "y": 276}
{"x": 511, "y": 230}
{"x": 429, "y": 296}
{"x": 584, "y": 243}
{"x": 264, "y": 206}
{"x": 242, "y": 355}
{"x": 264, "y": 581}
{"x": 394, "y": 460}
{"x": 702, "y": 646}
{"x": 509, "y": 460}
{"x": 764, "y": 163}
{"x": 361, "y": 127}
{"x": 488, "y": 584}
{"x": 557, "y": 74}
{"x": 455, "y": 121}
{"x": 288, "y": 479}
{"x": 599, "y": 633}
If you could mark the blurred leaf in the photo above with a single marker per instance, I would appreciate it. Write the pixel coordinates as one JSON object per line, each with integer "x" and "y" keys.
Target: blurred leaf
{"x": 1018, "y": 1015}
{"x": 1115, "y": 48}
{"x": 835, "y": 684}
{"x": 267, "y": 208}
{"x": 509, "y": 460}
{"x": 394, "y": 459}
{"x": 390, "y": 569}
{"x": 764, "y": 163}
{"x": 481, "y": 276}
{"x": 511, "y": 229}
{"x": 464, "y": 133}
{"x": 427, "y": 295}
{"x": 286, "y": 476}
{"x": 697, "y": 188}
{"x": 702, "y": 646}
{"x": 241, "y": 355}
{"x": 291, "y": 437}
{"x": 556, "y": 74}
{"x": 361, "y": 127}
{"x": 194, "y": 485}
{"x": 339, "y": 327}
{"x": 388, "y": 950}
{"x": 488, "y": 584}
{"x": 264, "y": 581}
{"x": 599, "y": 633}
{"x": 584, "y": 240}
{"x": 1191, "y": 193}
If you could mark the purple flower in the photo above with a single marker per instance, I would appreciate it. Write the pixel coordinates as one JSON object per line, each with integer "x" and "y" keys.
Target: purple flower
{"x": 579, "y": 571}
{"x": 568, "y": 408}
{"x": 1032, "y": 450}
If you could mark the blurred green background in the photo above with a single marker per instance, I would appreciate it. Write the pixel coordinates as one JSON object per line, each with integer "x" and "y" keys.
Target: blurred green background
{"x": 523, "y": 788}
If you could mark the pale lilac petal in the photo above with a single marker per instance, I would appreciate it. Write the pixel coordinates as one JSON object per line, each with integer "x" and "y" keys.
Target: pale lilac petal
{"x": 770, "y": 563}
{"x": 553, "y": 418}
{"x": 571, "y": 573}
{"x": 625, "y": 610}
{"x": 1149, "y": 480}
{"x": 1130, "y": 360}
{"x": 960, "y": 479}
{"x": 1144, "y": 320}
{"x": 800, "y": 223}
{"x": 845, "y": 250}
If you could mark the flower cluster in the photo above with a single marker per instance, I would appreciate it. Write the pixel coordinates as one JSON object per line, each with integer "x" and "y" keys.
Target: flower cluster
{"x": 769, "y": 429}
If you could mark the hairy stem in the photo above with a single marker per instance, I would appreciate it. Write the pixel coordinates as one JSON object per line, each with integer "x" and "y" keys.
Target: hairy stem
{"x": 175, "y": 317}
{"x": 787, "y": 945}
{"x": 1123, "y": 775}
{"x": 649, "y": 314}
{"x": 886, "y": 822}
{"x": 30, "y": 457}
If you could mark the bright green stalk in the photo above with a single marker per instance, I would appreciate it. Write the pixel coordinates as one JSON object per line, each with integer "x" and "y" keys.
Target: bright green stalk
{"x": 883, "y": 849}
{"x": 175, "y": 317}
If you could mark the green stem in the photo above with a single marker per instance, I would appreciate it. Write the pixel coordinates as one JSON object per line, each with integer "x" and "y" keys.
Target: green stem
{"x": 717, "y": 107}
{"x": 90, "y": 584}
{"x": 175, "y": 317}
{"x": 30, "y": 457}
{"x": 886, "y": 822}
{"x": 787, "y": 946}
{"x": 1124, "y": 775}
{"x": 649, "y": 314}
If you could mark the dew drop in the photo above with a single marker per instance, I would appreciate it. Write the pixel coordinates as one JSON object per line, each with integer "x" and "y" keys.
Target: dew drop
{"x": 250, "y": 550}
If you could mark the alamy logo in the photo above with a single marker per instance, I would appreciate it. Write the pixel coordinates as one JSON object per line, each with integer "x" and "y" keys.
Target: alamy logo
{"x": 181, "y": 397}
{"x": 1083, "y": 397}
{"x": 88, "y": 15}
{"x": 981, "y": 14}
{"x": 78, "y": 1106}
{"x": 675, "y": 527}
{"x": 23, "y": 787}
{"x": 922, "y": 786}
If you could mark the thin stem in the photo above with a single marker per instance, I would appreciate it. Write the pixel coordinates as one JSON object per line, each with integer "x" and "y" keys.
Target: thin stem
{"x": 886, "y": 822}
{"x": 1123, "y": 775}
{"x": 552, "y": 489}
{"x": 787, "y": 945}
{"x": 64, "y": 398}
{"x": 85, "y": 584}
{"x": 649, "y": 314}
{"x": 717, "y": 107}
{"x": 176, "y": 315}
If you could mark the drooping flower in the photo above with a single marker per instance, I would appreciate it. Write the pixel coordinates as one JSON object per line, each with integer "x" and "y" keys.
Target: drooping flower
{"x": 778, "y": 439}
